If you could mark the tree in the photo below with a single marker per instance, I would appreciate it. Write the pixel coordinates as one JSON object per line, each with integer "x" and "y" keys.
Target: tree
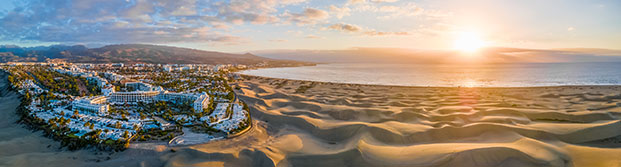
{"x": 230, "y": 96}
{"x": 61, "y": 121}
{"x": 27, "y": 95}
{"x": 125, "y": 134}
{"x": 97, "y": 132}
{"x": 11, "y": 79}
{"x": 212, "y": 119}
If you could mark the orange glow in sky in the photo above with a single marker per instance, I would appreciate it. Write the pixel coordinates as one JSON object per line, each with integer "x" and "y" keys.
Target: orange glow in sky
{"x": 468, "y": 42}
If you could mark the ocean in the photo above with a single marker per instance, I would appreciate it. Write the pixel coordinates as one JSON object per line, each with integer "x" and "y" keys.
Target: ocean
{"x": 496, "y": 75}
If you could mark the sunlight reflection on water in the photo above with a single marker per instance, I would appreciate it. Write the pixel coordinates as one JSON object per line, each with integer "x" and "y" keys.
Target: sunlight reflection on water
{"x": 503, "y": 75}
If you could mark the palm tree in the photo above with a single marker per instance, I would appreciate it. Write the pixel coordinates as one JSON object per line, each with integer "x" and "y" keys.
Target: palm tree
{"x": 125, "y": 134}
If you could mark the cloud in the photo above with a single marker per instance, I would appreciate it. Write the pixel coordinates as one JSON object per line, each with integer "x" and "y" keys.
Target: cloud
{"x": 137, "y": 21}
{"x": 278, "y": 40}
{"x": 571, "y": 29}
{"x": 308, "y": 16}
{"x": 351, "y": 2}
{"x": 389, "y": 11}
{"x": 380, "y": 33}
{"x": 378, "y": 1}
{"x": 170, "y": 21}
{"x": 436, "y": 14}
{"x": 345, "y": 27}
{"x": 407, "y": 10}
{"x": 313, "y": 37}
{"x": 340, "y": 12}
{"x": 252, "y": 11}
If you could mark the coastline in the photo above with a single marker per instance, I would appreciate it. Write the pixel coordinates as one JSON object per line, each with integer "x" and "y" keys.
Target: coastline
{"x": 420, "y": 75}
{"x": 403, "y": 86}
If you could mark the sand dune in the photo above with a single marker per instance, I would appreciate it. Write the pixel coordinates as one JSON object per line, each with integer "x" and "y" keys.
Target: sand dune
{"x": 364, "y": 125}
{"x": 300, "y": 123}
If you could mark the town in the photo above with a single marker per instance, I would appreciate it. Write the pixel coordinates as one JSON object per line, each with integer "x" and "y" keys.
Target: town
{"x": 107, "y": 106}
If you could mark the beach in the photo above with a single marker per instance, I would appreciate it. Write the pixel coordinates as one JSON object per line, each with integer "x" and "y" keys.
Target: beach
{"x": 304, "y": 123}
{"x": 329, "y": 124}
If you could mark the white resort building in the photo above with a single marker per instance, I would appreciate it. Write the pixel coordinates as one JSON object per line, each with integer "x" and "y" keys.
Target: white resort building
{"x": 202, "y": 101}
{"x": 133, "y": 97}
{"x": 96, "y": 104}
{"x": 140, "y": 86}
{"x": 143, "y": 92}
{"x": 147, "y": 93}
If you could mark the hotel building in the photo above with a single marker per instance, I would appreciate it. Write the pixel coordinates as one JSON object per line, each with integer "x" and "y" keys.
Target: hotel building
{"x": 96, "y": 104}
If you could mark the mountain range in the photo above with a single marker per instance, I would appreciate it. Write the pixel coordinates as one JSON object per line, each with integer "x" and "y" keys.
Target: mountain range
{"x": 132, "y": 53}
{"x": 157, "y": 54}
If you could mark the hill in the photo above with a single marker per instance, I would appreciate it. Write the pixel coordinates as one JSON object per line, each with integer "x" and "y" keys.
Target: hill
{"x": 132, "y": 53}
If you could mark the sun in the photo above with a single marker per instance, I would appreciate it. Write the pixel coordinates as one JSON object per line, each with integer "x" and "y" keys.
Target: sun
{"x": 468, "y": 42}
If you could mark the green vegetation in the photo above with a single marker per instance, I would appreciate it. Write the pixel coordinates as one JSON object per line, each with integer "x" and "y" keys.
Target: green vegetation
{"x": 53, "y": 81}
{"x": 57, "y": 130}
{"x": 58, "y": 90}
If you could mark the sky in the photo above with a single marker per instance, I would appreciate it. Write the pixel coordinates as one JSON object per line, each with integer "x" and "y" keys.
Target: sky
{"x": 247, "y": 25}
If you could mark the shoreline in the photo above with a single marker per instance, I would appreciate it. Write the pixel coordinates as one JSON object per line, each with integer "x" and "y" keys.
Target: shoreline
{"x": 435, "y": 87}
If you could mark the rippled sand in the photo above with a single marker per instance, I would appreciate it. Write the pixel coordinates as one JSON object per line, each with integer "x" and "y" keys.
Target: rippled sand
{"x": 324, "y": 124}
{"x": 358, "y": 125}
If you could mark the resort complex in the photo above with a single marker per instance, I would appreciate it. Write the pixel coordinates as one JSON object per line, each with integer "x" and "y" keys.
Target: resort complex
{"x": 110, "y": 105}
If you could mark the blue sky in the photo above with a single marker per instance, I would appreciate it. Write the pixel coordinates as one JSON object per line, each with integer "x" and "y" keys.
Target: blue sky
{"x": 246, "y": 25}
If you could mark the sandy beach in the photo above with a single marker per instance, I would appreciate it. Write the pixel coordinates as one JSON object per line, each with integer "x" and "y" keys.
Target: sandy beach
{"x": 315, "y": 124}
{"x": 303, "y": 123}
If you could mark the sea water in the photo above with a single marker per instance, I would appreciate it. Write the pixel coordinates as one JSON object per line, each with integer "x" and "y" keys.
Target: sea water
{"x": 444, "y": 75}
